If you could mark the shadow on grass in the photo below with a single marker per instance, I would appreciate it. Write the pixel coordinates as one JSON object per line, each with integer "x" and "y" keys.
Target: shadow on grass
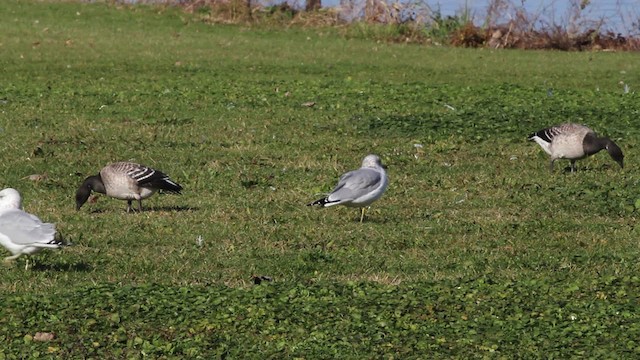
{"x": 380, "y": 219}
{"x": 77, "y": 267}
{"x": 176, "y": 208}
{"x": 96, "y": 211}
{"x": 603, "y": 167}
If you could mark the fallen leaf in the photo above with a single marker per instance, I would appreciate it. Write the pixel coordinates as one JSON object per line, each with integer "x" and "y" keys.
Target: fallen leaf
{"x": 36, "y": 177}
{"x": 44, "y": 336}
{"x": 309, "y": 104}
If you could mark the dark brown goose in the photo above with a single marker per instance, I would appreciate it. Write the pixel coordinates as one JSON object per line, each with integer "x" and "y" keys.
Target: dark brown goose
{"x": 126, "y": 181}
{"x": 574, "y": 142}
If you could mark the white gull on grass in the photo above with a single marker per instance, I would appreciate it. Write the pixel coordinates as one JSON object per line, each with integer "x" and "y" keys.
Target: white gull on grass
{"x": 358, "y": 188}
{"x": 20, "y": 232}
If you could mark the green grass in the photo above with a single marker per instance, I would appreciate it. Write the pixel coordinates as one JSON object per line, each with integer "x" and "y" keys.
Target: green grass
{"x": 474, "y": 251}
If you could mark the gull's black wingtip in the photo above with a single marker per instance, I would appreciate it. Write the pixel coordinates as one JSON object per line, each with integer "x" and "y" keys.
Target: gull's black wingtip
{"x": 317, "y": 202}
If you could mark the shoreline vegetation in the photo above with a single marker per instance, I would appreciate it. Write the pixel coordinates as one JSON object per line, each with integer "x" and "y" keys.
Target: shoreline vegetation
{"x": 506, "y": 24}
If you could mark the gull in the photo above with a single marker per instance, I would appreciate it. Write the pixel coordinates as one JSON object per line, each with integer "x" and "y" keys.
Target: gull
{"x": 574, "y": 142}
{"x": 358, "y": 188}
{"x": 10, "y": 199}
{"x": 126, "y": 181}
{"x": 20, "y": 232}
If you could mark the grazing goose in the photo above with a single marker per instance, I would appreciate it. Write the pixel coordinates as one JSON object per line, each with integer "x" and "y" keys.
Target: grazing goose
{"x": 126, "y": 181}
{"x": 574, "y": 142}
{"x": 358, "y": 188}
{"x": 10, "y": 199}
{"x": 20, "y": 232}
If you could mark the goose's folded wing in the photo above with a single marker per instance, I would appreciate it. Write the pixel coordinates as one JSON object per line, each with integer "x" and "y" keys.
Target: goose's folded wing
{"x": 547, "y": 134}
{"x": 146, "y": 176}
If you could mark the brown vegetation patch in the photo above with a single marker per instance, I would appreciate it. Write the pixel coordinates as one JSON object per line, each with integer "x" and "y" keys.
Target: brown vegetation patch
{"x": 418, "y": 23}
{"x": 555, "y": 38}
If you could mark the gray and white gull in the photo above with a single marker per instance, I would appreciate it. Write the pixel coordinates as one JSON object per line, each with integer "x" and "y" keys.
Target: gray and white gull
{"x": 20, "y": 232}
{"x": 358, "y": 188}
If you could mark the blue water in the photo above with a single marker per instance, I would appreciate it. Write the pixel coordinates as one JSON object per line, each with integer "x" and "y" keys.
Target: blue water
{"x": 620, "y": 16}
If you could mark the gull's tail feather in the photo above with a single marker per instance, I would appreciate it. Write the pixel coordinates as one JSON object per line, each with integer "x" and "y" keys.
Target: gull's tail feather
{"x": 54, "y": 243}
{"x": 61, "y": 241}
{"x": 322, "y": 202}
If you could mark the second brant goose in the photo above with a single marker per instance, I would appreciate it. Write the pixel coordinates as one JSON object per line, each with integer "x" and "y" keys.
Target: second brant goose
{"x": 574, "y": 142}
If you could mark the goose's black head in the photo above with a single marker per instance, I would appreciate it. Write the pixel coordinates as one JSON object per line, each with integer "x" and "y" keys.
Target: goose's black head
{"x": 92, "y": 183}
{"x": 615, "y": 152}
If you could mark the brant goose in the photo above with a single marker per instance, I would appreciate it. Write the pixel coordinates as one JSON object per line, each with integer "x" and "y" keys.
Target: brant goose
{"x": 126, "y": 181}
{"x": 574, "y": 142}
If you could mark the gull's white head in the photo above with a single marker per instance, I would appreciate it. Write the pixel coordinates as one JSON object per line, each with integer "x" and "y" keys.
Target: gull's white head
{"x": 10, "y": 199}
{"x": 372, "y": 161}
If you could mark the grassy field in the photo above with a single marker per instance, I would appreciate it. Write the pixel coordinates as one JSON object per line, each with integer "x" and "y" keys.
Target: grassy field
{"x": 475, "y": 251}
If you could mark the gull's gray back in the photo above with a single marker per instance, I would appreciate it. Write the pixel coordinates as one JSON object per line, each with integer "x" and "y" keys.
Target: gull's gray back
{"x": 25, "y": 229}
{"x": 356, "y": 183}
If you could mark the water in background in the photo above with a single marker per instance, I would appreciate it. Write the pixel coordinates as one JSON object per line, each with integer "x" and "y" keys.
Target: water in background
{"x": 619, "y": 16}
